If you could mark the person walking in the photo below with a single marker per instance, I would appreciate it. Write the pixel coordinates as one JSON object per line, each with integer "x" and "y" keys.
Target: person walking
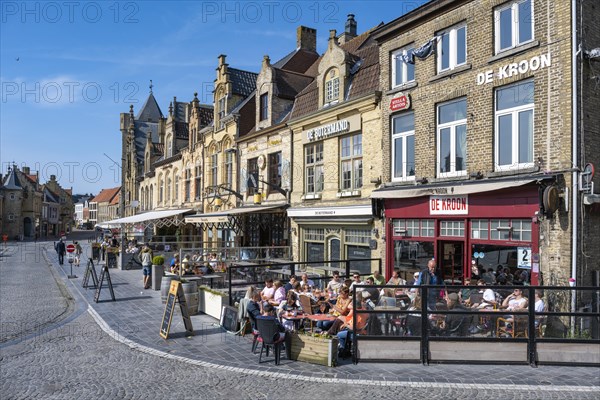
{"x": 78, "y": 251}
{"x": 146, "y": 257}
{"x": 61, "y": 250}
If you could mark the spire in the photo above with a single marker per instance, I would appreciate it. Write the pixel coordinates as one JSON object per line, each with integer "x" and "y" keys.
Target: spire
{"x": 151, "y": 86}
{"x": 12, "y": 180}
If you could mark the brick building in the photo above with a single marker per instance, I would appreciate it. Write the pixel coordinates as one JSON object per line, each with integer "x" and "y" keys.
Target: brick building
{"x": 484, "y": 153}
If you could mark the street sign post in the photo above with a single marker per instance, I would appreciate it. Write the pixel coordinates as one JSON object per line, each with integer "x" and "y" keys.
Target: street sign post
{"x": 71, "y": 249}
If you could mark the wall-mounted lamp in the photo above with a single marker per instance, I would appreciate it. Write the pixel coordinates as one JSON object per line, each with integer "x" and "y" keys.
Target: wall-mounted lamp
{"x": 423, "y": 180}
{"x": 218, "y": 202}
{"x": 476, "y": 175}
{"x": 375, "y": 231}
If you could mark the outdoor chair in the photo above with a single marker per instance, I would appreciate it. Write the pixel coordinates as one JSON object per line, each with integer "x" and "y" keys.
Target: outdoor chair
{"x": 512, "y": 327}
{"x": 269, "y": 338}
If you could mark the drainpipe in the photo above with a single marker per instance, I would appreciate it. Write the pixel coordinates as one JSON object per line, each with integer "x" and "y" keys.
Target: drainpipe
{"x": 575, "y": 160}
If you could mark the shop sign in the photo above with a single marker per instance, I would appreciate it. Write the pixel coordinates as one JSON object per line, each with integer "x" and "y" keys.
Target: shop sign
{"x": 524, "y": 257}
{"x": 325, "y": 131}
{"x": 400, "y": 102}
{"x": 514, "y": 69}
{"x": 449, "y": 205}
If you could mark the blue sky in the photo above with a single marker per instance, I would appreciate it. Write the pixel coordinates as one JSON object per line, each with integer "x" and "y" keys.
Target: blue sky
{"x": 67, "y": 69}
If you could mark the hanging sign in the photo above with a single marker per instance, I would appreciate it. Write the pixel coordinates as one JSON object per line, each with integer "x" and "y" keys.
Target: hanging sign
{"x": 524, "y": 257}
{"x": 400, "y": 102}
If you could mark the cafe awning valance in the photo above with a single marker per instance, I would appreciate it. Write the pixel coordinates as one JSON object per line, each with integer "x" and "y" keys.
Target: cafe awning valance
{"x": 158, "y": 218}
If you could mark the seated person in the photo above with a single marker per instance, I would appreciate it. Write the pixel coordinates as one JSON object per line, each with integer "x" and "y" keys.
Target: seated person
{"x": 344, "y": 326}
{"x": 395, "y": 280}
{"x": 186, "y": 265}
{"x": 464, "y": 295}
{"x": 268, "y": 291}
{"x": 340, "y": 308}
{"x": 254, "y": 308}
{"x": 175, "y": 263}
{"x": 374, "y": 292}
{"x": 279, "y": 294}
{"x": 307, "y": 281}
{"x": 378, "y": 278}
{"x": 514, "y": 302}
{"x": 290, "y": 285}
{"x": 454, "y": 324}
{"x": 356, "y": 282}
{"x": 335, "y": 284}
{"x": 413, "y": 320}
{"x": 269, "y": 313}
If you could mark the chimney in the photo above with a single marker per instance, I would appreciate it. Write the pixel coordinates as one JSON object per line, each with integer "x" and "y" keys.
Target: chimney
{"x": 349, "y": 31}
{"x": 26, "y": 170}
{"x": 52, "y": 177}
{"x": 350, "y": 26}
{"x": 306, "y": 38}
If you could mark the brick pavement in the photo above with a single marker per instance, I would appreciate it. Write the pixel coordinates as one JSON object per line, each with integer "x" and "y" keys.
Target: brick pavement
{"x": 134, "y": 319}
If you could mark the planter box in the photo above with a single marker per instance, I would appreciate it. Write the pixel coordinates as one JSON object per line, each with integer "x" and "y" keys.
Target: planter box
{"x": 314, "y": 350}
{"x": 211, "y": 304}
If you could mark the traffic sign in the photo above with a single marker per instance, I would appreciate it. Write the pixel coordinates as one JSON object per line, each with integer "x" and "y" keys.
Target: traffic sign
{"x": 70, "y": 248}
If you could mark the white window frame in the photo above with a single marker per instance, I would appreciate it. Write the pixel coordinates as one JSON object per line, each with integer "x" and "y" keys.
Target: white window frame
{"x": 452, "y": 33}
{"x": 355, "y": 161}
{"x": 401, "y": 136}
{"x": 332, "y": 90}
{"x": 452, "y": 125}
{"x": 404, "y": 78}
{"x": 314, "y": 169}
{"x": 514, "y": 112}
{"x": 515, "y": 42}
{"x": 214, "y": 169}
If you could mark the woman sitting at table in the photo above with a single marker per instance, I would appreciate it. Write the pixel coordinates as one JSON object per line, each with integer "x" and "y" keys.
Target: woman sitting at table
{"x": 341, "y": 307}
{"x": 279, "y": 295}
{"x": 344, "y": 325}
{"x": 395, "y": 280}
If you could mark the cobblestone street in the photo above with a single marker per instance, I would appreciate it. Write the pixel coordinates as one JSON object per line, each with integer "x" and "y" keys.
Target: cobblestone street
{"x": 52, "y": 348}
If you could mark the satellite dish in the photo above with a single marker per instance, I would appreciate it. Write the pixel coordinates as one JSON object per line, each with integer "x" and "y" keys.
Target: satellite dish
{"x": 135, "y": 203}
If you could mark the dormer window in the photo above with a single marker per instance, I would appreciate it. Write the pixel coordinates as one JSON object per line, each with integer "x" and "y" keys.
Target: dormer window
{"x": 169, "y": 146}
{"x": 264, "y": 106}
{"x": 332, "y": 87}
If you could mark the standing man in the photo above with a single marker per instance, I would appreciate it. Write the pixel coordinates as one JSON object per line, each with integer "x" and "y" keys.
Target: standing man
{"x": 429, "y": 277}
{"x": 61, "y": 250}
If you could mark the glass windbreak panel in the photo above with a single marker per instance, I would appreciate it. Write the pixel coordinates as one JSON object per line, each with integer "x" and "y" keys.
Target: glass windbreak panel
{"x": 494, "y": 258}
{"x": 412, "y": 255}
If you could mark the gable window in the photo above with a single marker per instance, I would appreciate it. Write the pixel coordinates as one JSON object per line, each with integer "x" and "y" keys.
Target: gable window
{"x": 221, "y": 110}
{"x": 169, "y": 146}
{"x": 332, "y": 87}
{"x": 452, "y": 138}
{"x": 513, "y": 24}
{"x": 514, "y": 126}
{"x": 315, "y": 173}
{"x": 274, "y": 170}
{"x": 264, "y": 106}
{"x": 402, "y": 72}
{"x": 403, "y": 147}
{"x": 452, "y": 48}
{"x": 351, "y": 160}
{"x": 188, "y": 184}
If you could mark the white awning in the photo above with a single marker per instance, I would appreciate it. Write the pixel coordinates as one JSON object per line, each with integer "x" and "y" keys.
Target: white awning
{"x": 403, "y": 192}
{"x": 145, "y": 217}
{"x": 219, "y": 217}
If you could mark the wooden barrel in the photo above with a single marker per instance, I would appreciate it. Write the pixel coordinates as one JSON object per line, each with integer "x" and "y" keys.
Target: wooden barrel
{"x": 165, "y": 285}
{"x": 190, "y": 291}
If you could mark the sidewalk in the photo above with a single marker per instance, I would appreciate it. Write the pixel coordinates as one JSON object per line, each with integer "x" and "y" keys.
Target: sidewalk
{"x": 135, "y": 318}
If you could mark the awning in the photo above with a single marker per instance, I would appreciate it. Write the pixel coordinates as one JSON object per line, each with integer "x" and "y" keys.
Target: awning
{"x": 158, "y": 217}
{"x": 469, "y": 187}
{"x": 223, "y": 216}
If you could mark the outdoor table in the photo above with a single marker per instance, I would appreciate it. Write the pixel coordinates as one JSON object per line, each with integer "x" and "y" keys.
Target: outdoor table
{"x": 319, "y": 317}
{"x": 296, "y": 319}
{"x": 211, "y": 277}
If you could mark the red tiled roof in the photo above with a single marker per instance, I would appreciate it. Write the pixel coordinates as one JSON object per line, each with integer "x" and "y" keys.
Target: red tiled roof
{"x": 116, "y": 199}
{"x": 106, "y": 195}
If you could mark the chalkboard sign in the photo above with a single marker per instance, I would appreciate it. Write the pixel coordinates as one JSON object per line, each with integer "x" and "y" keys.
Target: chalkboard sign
{"x": 90, "y": 270}
{"x": 175, "y": 294}
{"x": 229, "y": 318}
{"x": 104, "y": 275}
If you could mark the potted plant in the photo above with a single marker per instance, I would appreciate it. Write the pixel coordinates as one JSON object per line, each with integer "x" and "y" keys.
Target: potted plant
{"x": 158, "y": 270}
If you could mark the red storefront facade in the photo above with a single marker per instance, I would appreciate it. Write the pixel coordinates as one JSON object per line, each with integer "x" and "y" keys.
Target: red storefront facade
{"x": 493, "y": 228}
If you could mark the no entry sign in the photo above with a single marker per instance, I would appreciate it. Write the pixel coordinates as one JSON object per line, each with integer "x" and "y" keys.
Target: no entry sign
{"x": 70, "y": 248}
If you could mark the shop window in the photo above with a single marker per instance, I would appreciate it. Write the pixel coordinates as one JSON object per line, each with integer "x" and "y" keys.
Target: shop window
{"x": 521, "y": 230}
{"x": 514, "y": 126}
{"x": 500, "y": 229}
{"x": 402, "y": 72}
{"x": 314, "y": 239}
{"x": 513, "y": 24}
{"x": 452, "y": 48}
{"x": 452, "y": 228}
{"x": 452, "y": 138}
{"x": 427, "y": 228}
{"x": 314, "y": 168}
{"x": 274, "y": 170}
{"x": 361, "y": 236}
{"x": 352, "y": 163}
{"x": 515, "y": 230}
{"x": 505, "y": 258}
{"x": 412, "y": 255}
{"x": 413, "y": 227}
{"x": 403, "y": 147}
{"x": 480, "y": 229}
